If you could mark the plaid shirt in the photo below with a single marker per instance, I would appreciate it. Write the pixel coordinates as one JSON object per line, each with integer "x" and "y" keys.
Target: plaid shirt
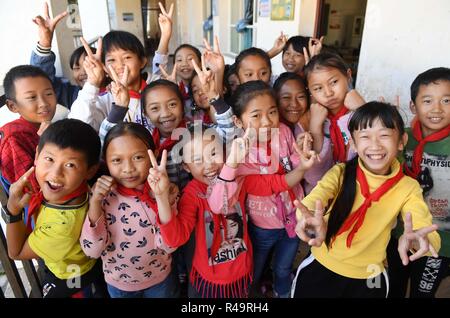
{"x": 18, "y": 143}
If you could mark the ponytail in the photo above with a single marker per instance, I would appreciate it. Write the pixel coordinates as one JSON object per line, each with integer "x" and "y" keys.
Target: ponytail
{"x": 344, "y": 201}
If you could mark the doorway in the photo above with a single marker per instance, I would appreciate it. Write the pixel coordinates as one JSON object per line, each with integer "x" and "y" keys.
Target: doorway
{"x": 341, "y": 22}
{"x": 152, "y": 34}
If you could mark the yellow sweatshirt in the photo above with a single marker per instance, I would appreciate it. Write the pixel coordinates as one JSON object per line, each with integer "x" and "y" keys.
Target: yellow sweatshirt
{"x": 365, "y": 257}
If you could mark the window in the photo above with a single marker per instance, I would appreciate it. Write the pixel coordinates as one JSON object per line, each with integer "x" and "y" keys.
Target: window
{"x": 208, "y": 32}
{"x": 241, "y": 18}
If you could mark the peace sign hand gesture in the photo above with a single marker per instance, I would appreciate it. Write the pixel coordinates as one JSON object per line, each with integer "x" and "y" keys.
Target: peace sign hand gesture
{"x": 165, "y": 21}
{"x": 20, "y": 193}
{"x": 93, "y": 65}
{"x": 311, "y": 228}
{"x": 240, "y": 148}
{"x": 213, "y": 56}
{"x": 119, "y": 88}
{"x": 47, "y": 26}
{"x": 170, "y": 77}
{"x": 157, "y": 177}
{"x": 206, "y": 77}
{"x": 303, "y": 146}
{"x": 415, "y": 241}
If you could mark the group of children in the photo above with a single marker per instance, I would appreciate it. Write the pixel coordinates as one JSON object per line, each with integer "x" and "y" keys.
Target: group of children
{"x": 219, "y": 171}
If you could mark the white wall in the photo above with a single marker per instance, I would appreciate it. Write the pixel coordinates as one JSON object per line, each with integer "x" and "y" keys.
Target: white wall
{"x": 401, "y": 39}
{"x": 135, "y": 26}
{"x": 268, "y": 30}
{"x": 94, "y": 18}
{"x": 18, "y": 34}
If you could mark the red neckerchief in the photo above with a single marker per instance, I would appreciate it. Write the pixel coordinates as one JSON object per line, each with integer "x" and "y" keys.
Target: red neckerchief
{"x": 357, "y": 218}
{"x": 184, "y": 93}
{"x": 38, "y": 197}
{"x": 414, "y": 171}
{"x": 143, "y": 195}
{"x": 168, "y": 142}
{"x": 137, "y": 95}
{"x": 280, "y": 170}
{"x": 339, "y": 152}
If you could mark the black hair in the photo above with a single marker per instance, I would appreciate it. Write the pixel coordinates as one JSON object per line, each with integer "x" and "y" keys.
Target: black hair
{"x": 190, "y": 47}
{"x": 126, "y": 128}
{"x": 287, "y": 76}
{"x": 17, "y": 73}
{"x": 74, "y": 134}
{"x": 325, "y": 60}
{"x": 432, "y": 75}
{"x": 253, "y": 51}
{"x": 363, "y": 117}
{"x": 75, "y": 57}
{"x": 298, "y": 43}
{"x": 246, "y": 92}
{"x": 161, "y": 83}
{"x": 122, "y": 40}
{"x": 194, "y": 128}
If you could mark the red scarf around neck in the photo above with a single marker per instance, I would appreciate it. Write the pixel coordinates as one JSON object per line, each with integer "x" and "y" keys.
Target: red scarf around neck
{"x": 143, "y": 195}
{"x": 168, "y": 142}
{"x": 184, "y": 92}
{"x": 137, "y": 95}
{"x": 414, "y": 171}
{"x": 357, "y": 218}
{"x": 339, "y": 151}
{"x": 38, "y": 197}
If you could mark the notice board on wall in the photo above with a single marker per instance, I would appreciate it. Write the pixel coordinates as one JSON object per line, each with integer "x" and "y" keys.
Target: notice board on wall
{"x": 283, "y": 10}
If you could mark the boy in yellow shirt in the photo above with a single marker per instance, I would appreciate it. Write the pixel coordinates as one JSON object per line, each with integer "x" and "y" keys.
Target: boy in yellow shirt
{"x": 363, "y": 198}
{"x": 67, "y": 156}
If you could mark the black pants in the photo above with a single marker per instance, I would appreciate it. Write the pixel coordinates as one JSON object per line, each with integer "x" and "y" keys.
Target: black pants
{"x": 316, "y": 281}
{"x": 54, "y": 287}
{"x": 426, "y": 274}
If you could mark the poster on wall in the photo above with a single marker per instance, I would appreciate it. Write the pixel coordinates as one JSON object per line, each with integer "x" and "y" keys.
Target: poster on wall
{"x": 264, "y": 8}
{"x": 283, "y": 10}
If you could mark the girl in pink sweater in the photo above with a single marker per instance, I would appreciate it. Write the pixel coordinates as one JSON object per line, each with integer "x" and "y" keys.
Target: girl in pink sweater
{"x": 271, "y": 215}
{"x": 121, "y": 226}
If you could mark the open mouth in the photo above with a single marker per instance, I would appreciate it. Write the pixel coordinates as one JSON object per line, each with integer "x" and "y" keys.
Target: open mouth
{"x": 210, "y": 176}
{"x": 167, "y": 123}
{"x": 435, "y": 120}
{"x": 54, "y": 186}
{"x": 376, "y": 156}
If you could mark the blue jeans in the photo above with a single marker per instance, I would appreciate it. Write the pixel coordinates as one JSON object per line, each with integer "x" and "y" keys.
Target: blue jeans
{"x": 285, "y": 250}
{"x": 168, "y": 288}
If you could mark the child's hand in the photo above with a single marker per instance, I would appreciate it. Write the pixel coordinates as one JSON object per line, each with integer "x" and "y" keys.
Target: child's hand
{"x": 311, "y": 228}
{"x": 411, "y": 240}
{"x": 206, "y": 77}
{"x": 44, "y": 125}
{"x": 119, "y": 88}
{"x": 314, "y": 48}
{"x": 101, "y": 188}
{"x": 213, "y": 56}
{"x": 353, "y": 100}
{"x": 170, "y": 77}
{"x": 239, "y": 149}
{"x": 165, "y": 21}
{"x": 20, "y": 193}
{"x": 303, "y": 147}
{"x": 318, "y": 116}
{"x": 93, "y": 66}
{"x": 279, "y": 43}
{"x": 47, "y": 26}
{"x": 157, "y": 177}
{"x": 174, "y": 193}
{"x": 396, "y": 103}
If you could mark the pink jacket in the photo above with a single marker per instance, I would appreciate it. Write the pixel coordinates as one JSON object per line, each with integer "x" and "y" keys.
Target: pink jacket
{"x": 262, "y": 209}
